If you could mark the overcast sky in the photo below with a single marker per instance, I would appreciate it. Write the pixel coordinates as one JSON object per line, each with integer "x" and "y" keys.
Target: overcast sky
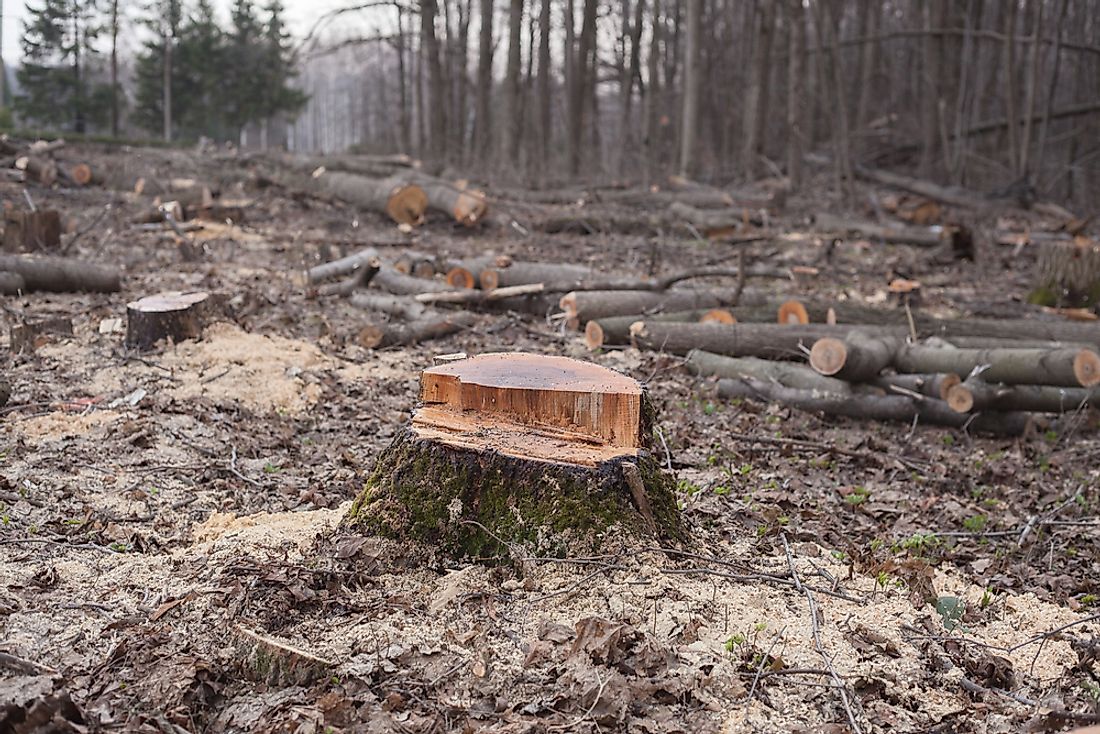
{"x": 300, "y": 16}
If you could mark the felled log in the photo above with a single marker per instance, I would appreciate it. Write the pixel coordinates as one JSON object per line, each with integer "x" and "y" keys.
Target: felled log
{"x": 466, "y": 206}
{"x": 976, "y": 394}
{"x": 373, "y": 166}
{"x": 958, "y": 239}
{"x": 1067, "y": 274}
{"x": 773, "y": 341}
{"x": 11, "y": 283}
{"x": 38, "y": 170}
{"x": 28, "y": 231}
{"x": 61, "y": 275}
{"x": 359, "y": 279}
{"x": 464, "y": 273}
{"x": 712, "y": 221}
{"x": 953, "y": 196}
{"x": 431, "y": 325}
{"x": 858, "y": 357}
{"x": 934, "y": 386}
{"x": 171, "y": 316}
{"x": 403, "y": 201}
{"x": 615, "y": 330}
{"x": 523, "y": 273}
{"x": 400, "y": 307}
{"x": 513, "y": 455}
{"x": 419, "y": 264}
{"x": 602, "y": 283}
{"x": 580, "y": 307}
{"x": 886, "y": 408}
{"x": 470, "y": 296}
{"x": 81, "y": 174}
{"x": 391, "y": 281}
{"x": 343, "y": 266}
{"x": 1061, "y": 367}
{"x": 789, "y": 374}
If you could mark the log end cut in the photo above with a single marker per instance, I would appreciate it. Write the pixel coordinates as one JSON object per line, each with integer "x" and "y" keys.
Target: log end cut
{"x": 407, "y": 204}
{"x": 170, "y": 316}
{"x": 1086, "y": 367}
{"x": 793, "y": 312}
{"x": 547, "y": 452}
{"x": 828, "y": 355}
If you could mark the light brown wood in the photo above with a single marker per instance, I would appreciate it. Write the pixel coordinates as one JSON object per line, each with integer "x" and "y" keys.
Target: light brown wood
{"x": 793, "y": 312}
{"x": 583, "y": 402}
{"x": 169, "y": 316}
{"x": 717, "y": 316}
{"x": 81, "y": 174}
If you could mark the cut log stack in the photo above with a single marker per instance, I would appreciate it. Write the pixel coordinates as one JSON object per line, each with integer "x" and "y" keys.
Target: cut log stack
{"x": 982, "y": 375}
{"x": 40, "y": 163}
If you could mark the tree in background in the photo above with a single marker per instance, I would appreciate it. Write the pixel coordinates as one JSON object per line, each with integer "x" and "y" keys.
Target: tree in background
{"x": 277, "y": 67}
{"x": 200, "y": 74}
{"x": 156, "y": 72}
{"x": 58, "y": 55}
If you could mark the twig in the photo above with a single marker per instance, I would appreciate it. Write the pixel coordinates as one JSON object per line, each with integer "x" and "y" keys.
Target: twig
{"x": 22, "y": 665}
{"x": 599, "y": 694}
{"x": 841, "y": 688}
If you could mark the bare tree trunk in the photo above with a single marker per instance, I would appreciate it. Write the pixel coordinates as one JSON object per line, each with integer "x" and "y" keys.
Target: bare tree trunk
{"x": 437, "y": 127}
{"x": 114, "y": 71}
{"x": 167, "y": 91}
{"x": 689, "y": 120}
{"x": 828, "y": 26}
{"x": 513, "y": 119}
{"x": 653, "y": 93}
{"x": 1032, "y": 92}
{"x": 931, "y": 64}
{"x": 1048, "y": 109}
{"x": 756, "y": 102}
{"x": 795, "y": 91}
{"x": 578, "y": 96}
{"x": 462, "y": 80}
{"x": 1011, "y": 94}
{"x": 543, "y": 82}
{"x": 483, "y": 113}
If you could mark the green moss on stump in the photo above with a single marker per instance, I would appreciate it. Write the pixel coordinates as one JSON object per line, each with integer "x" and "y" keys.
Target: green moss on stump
{"x": 428, "y": 493}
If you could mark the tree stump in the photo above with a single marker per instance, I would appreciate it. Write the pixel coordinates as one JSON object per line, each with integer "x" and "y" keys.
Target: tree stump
{"x": 1067, "y": 274}
{"x": 31, "y": 231}
{"x": 172, "y": 315}
{"x": 509, "y": 450}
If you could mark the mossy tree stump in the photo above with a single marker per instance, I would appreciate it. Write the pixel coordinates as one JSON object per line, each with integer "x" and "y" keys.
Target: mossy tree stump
{"x": 1067, "y": 273}
{"x": 548, "y": 454}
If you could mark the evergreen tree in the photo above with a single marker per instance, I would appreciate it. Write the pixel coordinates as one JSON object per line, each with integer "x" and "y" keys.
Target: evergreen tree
{"x": 163, "y": 20}
{"x": 201, "y": 64}
{"x": 244, "y": 67}
{"x": 278, "y": 67}
{"x": 58, "y": 51}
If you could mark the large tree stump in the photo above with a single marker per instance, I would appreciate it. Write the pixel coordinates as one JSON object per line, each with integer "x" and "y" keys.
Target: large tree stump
{"x": 173, "y": 316}
{"x": 29, "y": 231}
{"x": 517, "y": 450}
{"x": 1067, "y": 274}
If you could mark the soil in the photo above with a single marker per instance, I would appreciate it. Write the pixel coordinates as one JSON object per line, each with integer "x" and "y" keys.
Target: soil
{"x": 156, "y": 505}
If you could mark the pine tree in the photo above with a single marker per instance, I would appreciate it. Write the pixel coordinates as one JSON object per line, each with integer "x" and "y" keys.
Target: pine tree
{"x": 201, "y": 65}
{"x": 244, "y": 66}
{"x": 58, "y": 52}
{"x": 278, "y": 67}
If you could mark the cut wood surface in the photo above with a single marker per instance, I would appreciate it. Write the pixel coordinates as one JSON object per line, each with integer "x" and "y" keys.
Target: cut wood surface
{"x": 465, "y": 206}
{"x": 428, "y": 326}
{"x": 1061, "y": 367}
{"x": 774, "y": 341}
{"x": 539, "y": 391}
{"x": 887, "y": 408}
{"x": 975, "y": 394}
{"x": 934, "y": 386}
{"x": 858, "y": 357}
{"x": 170, "y": 316}
{"x": 523, "y": 273}
{"x": 789, "y": 374}
{"x": 615, "y": 330}
{"x": 465, "y": 273}
{"x": 38, "y": 170}
{"x": 61, "y": 275}
{"x": 401, "y": 200}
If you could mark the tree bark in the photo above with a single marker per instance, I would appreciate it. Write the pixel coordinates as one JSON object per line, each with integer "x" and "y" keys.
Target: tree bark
{"x": 579, "y": 85}
{"x": 522, "y": 273}
{"x": 168, "y": 316}
{"x": 858, "y": 357}
{"x": 886, "y": 408}
{"x": 431, "y": 325}
{"x": 437, "y": 128}
{"x": 512, "y": 84}
{"x": 977, "y": 395}
{"x": 787, "y": 374}
{"x": 689, "y": 123}
{"x": 61, "y": 275}
{"x": 1059, "y": 367}
{"x": 615, "y": 330}
{"x": 543, "y": 83}
{"x": 795, "y": 92}
{"x": 772, "y": 341}
{"x": 1067, "y": 274}
{"x": 397, "y": 197}
{"x": 583, "y": 306}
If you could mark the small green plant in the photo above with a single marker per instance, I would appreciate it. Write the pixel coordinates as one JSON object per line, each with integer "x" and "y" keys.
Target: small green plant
{"x": 710, "y": 408}
{"x": 918, "y": 543}
{"x": 950, "y": 609}
{"x": 1051, "y": 436}
{"x": 688, "y": 487}
{"x": 857, "y": 496}
{"x": 1089, "y": 599}
{"x": 270, "y": 468}
{"x": 987, "y": 599}
{"x": 721, "y": 490}
{"x": 975, "y": 523}
{"x": 948, "y": 439}
{"x": 734, "y": 642}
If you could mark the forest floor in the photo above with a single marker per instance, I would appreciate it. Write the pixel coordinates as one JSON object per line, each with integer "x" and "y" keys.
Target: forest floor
{"x": 153, "y": 505}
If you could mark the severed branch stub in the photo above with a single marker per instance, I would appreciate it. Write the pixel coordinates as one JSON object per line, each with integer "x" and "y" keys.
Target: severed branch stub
{"x": 510, "y": 449}
{"x": 172, "y": 315}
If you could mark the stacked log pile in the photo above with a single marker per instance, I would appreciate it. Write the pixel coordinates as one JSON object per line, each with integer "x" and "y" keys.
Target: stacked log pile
{"x": 992, "y": 376}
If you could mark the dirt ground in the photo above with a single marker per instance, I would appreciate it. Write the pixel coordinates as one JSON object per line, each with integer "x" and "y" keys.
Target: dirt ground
{"x": 157, "y": 508}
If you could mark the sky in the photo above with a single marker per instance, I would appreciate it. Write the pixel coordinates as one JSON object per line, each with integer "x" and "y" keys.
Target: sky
{"x": 300, "y": 16}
